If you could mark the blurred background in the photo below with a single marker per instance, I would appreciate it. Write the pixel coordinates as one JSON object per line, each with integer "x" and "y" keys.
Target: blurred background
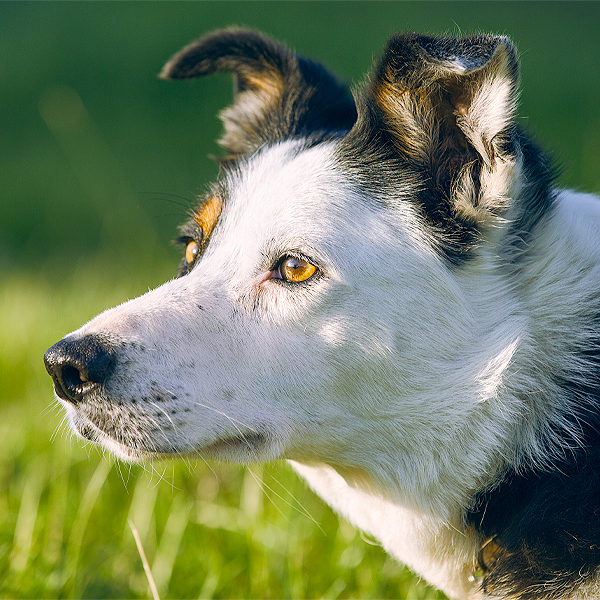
{"x": 99, "y": 163}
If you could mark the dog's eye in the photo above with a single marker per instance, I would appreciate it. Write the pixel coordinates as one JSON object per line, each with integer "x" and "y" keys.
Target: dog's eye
{"x": 191, "y": 252}
{"x": 296, "y": 269}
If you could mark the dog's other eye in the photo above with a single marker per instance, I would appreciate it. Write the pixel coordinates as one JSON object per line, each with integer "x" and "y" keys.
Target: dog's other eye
{"x": 296, "y": 270}
{"x": 191, "y": 252}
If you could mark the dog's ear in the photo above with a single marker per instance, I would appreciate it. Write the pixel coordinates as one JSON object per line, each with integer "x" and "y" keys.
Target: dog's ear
{"x": 446, "y": 106}
{"x": 277, "y": 94}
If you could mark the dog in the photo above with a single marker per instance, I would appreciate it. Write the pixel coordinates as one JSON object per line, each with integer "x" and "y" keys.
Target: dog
{"x": 387, "y": 289}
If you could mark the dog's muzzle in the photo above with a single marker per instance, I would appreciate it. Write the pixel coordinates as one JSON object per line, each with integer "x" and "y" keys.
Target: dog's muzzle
{"x": 79, "y": 366}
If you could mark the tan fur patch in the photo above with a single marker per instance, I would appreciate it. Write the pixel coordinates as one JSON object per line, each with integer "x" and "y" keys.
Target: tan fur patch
{"x": 270, "y": 82}
{"x": 401, "y": 111}
{"x": 207, "y": 215}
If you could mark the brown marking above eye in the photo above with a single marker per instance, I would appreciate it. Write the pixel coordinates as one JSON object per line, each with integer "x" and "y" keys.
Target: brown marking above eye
{"x": 207, "y": 216}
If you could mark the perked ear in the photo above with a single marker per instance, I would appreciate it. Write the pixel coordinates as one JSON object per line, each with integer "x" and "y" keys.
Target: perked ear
{"x": 448, "y": 107}
{"x": 277, "y": 94}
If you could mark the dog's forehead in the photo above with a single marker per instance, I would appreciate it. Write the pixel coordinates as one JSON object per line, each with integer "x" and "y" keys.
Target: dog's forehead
{"x": 292, "y": 196}
{"x": 284, "y": 191}
{"x": 285, "y": 177}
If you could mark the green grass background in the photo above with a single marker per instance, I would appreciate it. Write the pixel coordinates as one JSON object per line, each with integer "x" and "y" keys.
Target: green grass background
{"x": 99, "y": 162}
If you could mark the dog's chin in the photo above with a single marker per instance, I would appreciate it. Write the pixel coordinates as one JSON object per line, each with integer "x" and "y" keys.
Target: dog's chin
{"x": 243, "y": 447}
{"x": 129, "y": 452}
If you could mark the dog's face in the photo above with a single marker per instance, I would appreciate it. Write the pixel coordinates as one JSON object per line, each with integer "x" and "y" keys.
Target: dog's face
{"x": 319, "y": 310}
{"x": 291, "y": 324}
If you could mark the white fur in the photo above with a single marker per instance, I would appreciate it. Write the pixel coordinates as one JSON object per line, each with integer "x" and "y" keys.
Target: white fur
{"x": 392, "y": 382}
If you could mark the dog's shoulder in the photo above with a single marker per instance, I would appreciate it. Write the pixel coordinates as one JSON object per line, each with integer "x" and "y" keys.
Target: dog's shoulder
{"x": 544, "y": 520}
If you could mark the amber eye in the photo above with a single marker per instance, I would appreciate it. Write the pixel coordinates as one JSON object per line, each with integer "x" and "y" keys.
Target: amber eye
{"x": 191, "y": 252}
{"x": 296, "y": 270}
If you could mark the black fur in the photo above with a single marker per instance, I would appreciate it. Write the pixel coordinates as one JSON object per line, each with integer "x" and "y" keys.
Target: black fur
{"x": 536, "y": 200}
{"x": 382, "y": 154}
{"x": 369, "y": 155}
{"x": 297, "y": 96}
{"x": 414, "y": 61}
{"x": 300, "y": 98}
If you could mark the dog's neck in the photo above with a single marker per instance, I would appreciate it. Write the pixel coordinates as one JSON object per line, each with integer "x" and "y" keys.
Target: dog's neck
{"x": 442, "y": 551}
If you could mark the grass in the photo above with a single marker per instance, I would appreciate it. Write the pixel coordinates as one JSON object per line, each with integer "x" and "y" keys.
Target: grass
{"x": 207, "y": 530}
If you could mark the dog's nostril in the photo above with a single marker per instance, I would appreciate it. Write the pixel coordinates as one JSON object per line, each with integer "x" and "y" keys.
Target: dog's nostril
{"x": 72, "y": 377}
{"x": 77, "y": 366}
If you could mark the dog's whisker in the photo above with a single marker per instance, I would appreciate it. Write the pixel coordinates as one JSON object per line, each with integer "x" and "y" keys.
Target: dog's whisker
{"x": 52, "y": 407}
{"x": 302, "y": 510}
{"x": 229, "y": 417}
{"x": 175, "y": 199}
{"x": 118, "y": 465}
{"x": 264, "y": 489}
{"x": 62, "y": 427}
{"x": 165, "y": 413}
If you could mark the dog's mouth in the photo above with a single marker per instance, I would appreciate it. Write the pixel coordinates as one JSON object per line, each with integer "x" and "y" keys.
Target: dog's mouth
{"x": 137, "y": 445}
{"x": 125, "y": 442}
{"x": 244, "y": 447}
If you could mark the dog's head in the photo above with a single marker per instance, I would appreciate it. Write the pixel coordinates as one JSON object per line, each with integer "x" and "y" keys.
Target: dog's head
{"x": 321, "y": 312}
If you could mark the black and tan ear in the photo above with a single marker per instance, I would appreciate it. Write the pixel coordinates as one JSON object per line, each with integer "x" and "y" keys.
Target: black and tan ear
{"x": 278, "y": 94}
{"x": 447, "y": 106}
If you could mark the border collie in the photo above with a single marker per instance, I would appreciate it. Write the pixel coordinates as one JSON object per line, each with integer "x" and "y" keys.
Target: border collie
{"x": 388, "y": 290}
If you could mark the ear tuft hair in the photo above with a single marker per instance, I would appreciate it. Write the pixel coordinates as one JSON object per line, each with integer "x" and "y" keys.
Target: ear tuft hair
{"x": 277, "y": 93}
{"x": 447, "y": 106}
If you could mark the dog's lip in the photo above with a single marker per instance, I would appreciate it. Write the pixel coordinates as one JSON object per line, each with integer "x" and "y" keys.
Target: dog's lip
{"x": 88, "y": 430}
{"x": 247, "y": 444}
{"x": 250, "y": 442}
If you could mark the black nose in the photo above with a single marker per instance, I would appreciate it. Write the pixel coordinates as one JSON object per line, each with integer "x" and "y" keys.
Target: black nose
{"x": 78, "y": 366}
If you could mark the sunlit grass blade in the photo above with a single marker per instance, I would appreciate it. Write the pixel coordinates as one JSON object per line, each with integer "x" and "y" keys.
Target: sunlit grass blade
{"x": 88, "y": 501}
{"x": 34, "y": 482}
{"x": 170, "y": 541}
{"x": 145, "y": 564}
